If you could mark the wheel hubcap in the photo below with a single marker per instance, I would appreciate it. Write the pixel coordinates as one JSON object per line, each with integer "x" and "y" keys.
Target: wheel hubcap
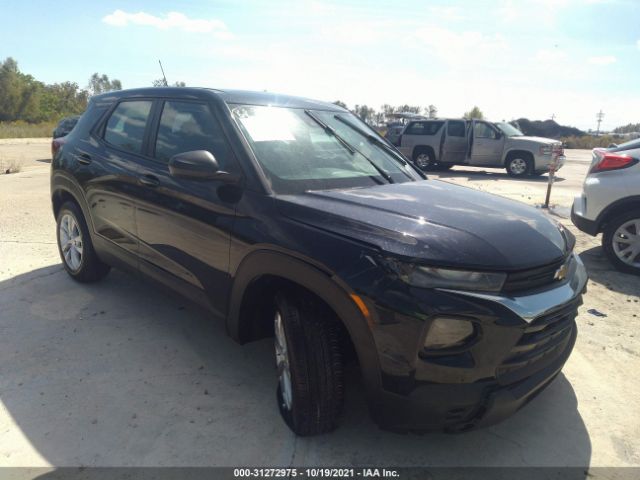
{"x": 71, "y": 241}
{"x": 282, "y": 362}
{"x": 518, "y": 166}
{"x": 626, "y": 242}
{"x": 423, "y": 160}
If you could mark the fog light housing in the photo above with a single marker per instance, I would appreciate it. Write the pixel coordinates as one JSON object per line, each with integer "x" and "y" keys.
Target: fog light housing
{"x": 449, "y": 333}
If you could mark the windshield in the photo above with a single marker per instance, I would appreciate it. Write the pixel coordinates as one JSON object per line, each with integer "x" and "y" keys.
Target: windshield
{"x": 509, "y": 130}
{"x": 301, "y": 150}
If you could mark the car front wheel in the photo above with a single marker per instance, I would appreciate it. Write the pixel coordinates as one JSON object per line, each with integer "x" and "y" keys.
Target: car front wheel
{"x": 309, "y": 363}
{"x": 518, "y": 166}
{"x": 621, "y": 242}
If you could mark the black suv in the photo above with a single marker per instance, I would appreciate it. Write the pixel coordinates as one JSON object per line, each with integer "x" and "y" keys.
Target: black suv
{"x": 291, "y": 218}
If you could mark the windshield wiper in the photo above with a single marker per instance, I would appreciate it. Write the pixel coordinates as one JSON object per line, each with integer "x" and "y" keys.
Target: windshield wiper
{"x": 372, "y": 138}
{"x": 331, "y": 131}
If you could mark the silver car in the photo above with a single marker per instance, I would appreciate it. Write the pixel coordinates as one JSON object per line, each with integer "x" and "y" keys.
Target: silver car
{"x": 439, "y": 144}
{"x": 610, "y": 204}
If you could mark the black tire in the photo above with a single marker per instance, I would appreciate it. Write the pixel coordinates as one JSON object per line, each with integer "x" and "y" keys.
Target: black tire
{"x": 91, "y": 268}
{"x": 609, "y": 241}
{"x": 443, "y": 167}
{"x": 519, "y": 165}
{"x": 315, "y": 364}
{"x": 424, "y": 159}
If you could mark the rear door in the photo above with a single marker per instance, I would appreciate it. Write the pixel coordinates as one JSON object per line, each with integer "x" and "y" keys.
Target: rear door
{"x": 455, "y": 144}
{"x": 184, "y": 224}
{"x": 113, "y": 186}
{"x": 421, "y": 134}
{"x": 487, "y": 144}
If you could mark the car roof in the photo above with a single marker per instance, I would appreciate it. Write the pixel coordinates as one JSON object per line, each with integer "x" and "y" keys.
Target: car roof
{"x": 227, "y": 96}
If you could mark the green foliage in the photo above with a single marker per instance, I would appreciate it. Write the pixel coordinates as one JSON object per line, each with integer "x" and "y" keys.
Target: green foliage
{"x": 474, "y": 113}
{"x": 589, "y": 141}
{"x": 628, "y": 128}
{"x": 100, "y": 84}
{"x": 159, "y": 82}
{"x": 340, "y": 104}
{"x": 21, "y": 129}
{"x": 431, "y": 111}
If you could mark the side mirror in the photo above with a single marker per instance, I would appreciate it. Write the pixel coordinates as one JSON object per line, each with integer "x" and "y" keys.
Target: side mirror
{"x": 197, "y": 164}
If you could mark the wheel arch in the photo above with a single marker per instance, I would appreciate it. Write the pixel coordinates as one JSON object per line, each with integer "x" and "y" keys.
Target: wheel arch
{"x": 242, "y": 325}
{"x": 618, "y": 207}
{"x": 64, "y": 188}
{"x": 423, "y": 148}
{"x": 518, "y": 151}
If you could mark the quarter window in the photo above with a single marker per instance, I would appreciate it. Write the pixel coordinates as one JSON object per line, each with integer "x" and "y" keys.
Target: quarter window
{"x": 126, "y": 125}
{"x": 456, "y": 128}
{"x": 423, "y": 128}
{"x": 186, "y": 126}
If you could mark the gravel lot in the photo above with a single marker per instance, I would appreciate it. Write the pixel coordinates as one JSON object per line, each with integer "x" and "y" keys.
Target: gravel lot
{"x": 119, "y": 373}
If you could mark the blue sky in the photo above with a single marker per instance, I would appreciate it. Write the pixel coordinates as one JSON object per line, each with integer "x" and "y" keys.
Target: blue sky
{"x": 512, "y": 58}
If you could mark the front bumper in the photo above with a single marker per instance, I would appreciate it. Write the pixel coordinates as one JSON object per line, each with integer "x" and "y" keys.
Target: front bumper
{"x": 526, "y": 341}
{"x": 584, "y": 224}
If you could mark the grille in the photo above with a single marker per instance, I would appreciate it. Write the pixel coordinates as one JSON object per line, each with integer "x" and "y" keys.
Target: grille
{"x": 532, "y": 278}
{"x": 543, "y": 341}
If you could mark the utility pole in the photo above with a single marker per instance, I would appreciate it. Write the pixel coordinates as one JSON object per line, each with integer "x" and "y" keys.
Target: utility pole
{"x": 553, "y": 116}
{"x": 599, "y": 116}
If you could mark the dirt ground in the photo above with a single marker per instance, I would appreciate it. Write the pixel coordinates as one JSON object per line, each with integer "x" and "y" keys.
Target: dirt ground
{"x": 120, "y": 374}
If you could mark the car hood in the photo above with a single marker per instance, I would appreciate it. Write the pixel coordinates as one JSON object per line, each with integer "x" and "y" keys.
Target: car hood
{"x": 543, "y": 140}
{"x": 435, "y": 222}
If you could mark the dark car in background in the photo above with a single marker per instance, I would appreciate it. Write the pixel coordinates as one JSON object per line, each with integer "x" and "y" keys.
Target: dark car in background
{"x": 290, "y": 218}
{"x": 65, "y": 126}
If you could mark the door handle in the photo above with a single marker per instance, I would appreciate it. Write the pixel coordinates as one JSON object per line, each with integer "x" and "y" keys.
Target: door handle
{"x": 84, "y": 158}
{"x": 149, "y": 180}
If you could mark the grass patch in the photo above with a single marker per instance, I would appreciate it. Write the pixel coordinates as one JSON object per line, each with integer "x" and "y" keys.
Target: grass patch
{"x": 26, "y": 130}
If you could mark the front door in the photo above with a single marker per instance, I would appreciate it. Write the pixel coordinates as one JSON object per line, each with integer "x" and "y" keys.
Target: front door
{"x": 184, "y": 224}
{"x": 487, "y": 144}
{"x": 455, "y": 144}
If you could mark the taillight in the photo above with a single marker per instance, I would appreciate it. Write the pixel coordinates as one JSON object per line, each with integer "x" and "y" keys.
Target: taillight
{"x": 611, "y": 161}
{"x": 55, "y": 146}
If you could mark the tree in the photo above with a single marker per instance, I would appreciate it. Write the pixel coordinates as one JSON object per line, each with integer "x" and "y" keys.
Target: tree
{"x": 19, "y": 93}
{"x": 474, "y": 113}
{"x": 408, "y": 109}
{"x": 364, "y": 112}
{"x": 160, "y": 83}
{"x": 340, "y": 104}
{"x": 100, "y": 84}
{"x": 431, "y": 111}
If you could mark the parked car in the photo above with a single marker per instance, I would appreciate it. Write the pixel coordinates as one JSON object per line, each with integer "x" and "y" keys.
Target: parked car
{"x": 440, "y": 144}
{"x": 65, "y": 126}
{"x": 291, "y": 218}
{"x": 610, "y": 204}
{"x": 394, "y": 130}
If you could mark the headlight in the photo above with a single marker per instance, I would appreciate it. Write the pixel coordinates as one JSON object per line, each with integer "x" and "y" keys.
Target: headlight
{"x": 545, "y": 150}
{"x": 432, "y": 277}
{"x": 448, "y": 333}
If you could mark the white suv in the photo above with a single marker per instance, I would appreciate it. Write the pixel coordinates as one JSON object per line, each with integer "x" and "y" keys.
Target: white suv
{"x": 610, "y": 203}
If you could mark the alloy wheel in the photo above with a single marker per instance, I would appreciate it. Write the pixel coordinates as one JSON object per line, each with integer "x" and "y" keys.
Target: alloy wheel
{"x": 626, "y": 242}
{"x": 423, "y": 160}
{"x": 282, "y": 362}
{"x": 71, "y": 241}
{"x": 518, "y": 166}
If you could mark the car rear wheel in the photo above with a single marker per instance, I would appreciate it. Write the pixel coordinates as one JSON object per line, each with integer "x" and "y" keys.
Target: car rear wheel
{"x": 74, "y": 244}
{"x": 519, "y": 166}
{"x": 309, "y": 363}
{"x": 621, "y": 242}
{"x": 424, "y": 159}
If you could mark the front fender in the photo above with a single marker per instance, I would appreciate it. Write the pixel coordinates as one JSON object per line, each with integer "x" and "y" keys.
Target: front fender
{"x": 328, "y": 287}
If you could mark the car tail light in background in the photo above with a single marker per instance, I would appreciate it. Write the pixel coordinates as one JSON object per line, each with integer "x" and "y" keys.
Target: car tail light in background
{"x": 611, "y": 161}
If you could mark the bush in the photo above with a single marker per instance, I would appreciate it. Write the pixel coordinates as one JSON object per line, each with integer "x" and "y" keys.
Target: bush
{"x": 589, "y": 141}
{"x": 22, "y": 129}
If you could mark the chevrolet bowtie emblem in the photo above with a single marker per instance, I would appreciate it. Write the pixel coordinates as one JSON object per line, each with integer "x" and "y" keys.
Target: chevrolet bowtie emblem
{"x": 561, "y": 273}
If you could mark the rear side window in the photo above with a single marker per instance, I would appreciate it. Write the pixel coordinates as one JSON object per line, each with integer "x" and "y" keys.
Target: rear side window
{"x": 423, "y": 128}
{"x": 126, "y": 125}
{"x": 456, "y": 128}
{"x": 186, "y": 126}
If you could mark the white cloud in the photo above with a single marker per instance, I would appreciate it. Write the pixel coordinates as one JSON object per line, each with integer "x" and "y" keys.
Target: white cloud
{"x": 461, "y": 47}
{"x": 550, "y": 56}
{"x": 603, "y": 60}
{"x": 172, "y": 20}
